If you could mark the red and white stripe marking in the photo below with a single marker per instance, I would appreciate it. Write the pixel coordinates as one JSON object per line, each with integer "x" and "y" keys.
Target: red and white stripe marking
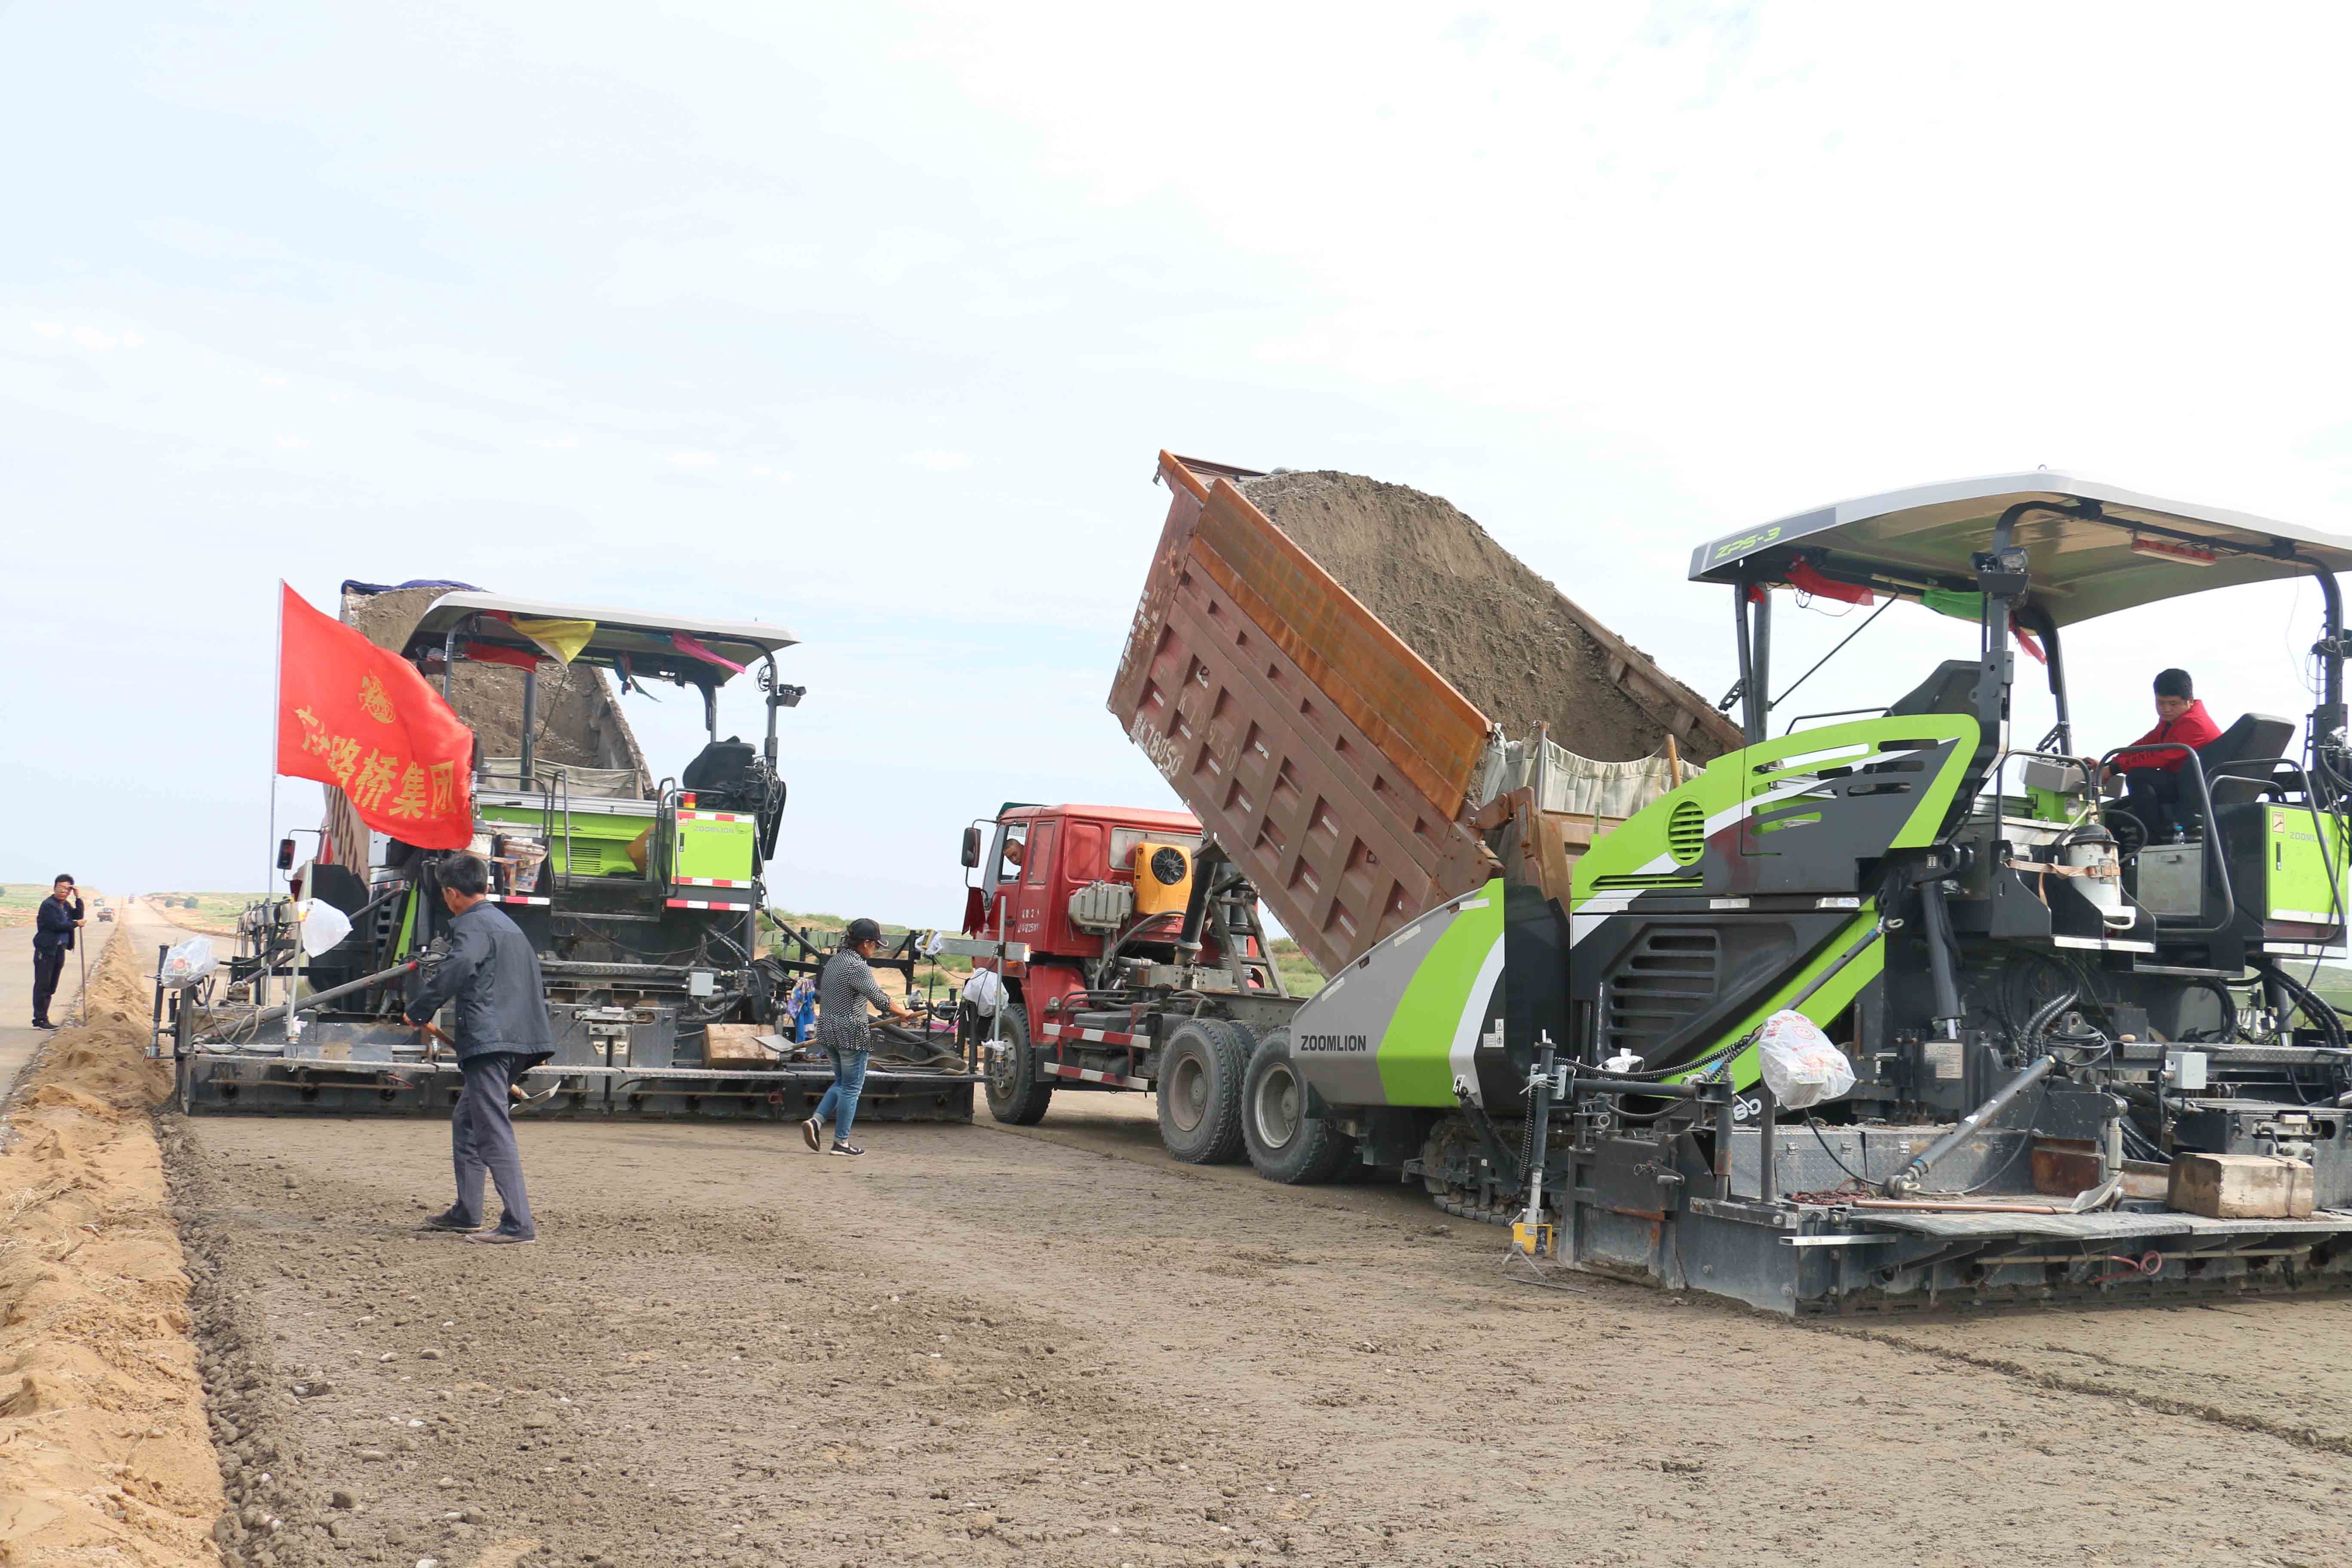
{"x": 1096, "y": 1037}
{"x": 714, "y": 816}
{"x": 518, "y": 898}
{"x": 710, "y": 882}
{"x": 1116, "y": 1080}
{"x": 704, "y": 904}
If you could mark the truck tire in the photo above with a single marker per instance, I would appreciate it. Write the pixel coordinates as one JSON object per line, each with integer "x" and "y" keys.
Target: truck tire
{"x": 1018, "y": 1092}
{"x": 1286, "y": 1124}
{"x": 1200, "y": 1093}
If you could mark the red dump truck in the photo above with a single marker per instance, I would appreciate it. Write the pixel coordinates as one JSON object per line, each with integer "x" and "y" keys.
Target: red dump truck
{"x": 1132, "y": 957}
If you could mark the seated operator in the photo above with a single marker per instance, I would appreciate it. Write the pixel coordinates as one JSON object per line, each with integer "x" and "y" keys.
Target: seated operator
{"x": 2152, "y": 779}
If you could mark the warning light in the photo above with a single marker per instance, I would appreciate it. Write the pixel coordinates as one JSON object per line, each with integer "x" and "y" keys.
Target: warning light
{"x": 2171, "y": 550}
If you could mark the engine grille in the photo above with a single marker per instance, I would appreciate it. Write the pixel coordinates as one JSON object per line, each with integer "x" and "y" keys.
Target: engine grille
{"x": 1686, "y": 831}
{"x": 1670, "y": 975}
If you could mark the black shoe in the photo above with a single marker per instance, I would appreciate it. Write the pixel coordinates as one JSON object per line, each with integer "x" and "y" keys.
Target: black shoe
{"x": 852, "y": 1149}
{"x": 813, "y": 1135}
{"x": 449, "y": 1219}
{"x": 43, "y": 1024}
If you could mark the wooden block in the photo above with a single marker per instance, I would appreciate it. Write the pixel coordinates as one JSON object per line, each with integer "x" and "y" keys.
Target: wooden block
{"x": 731, "y": 1043}
{"x": 2240, "y": 1187}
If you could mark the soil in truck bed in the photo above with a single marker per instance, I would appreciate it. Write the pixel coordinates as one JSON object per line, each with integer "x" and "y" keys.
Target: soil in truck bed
{"x": 1506, "y": 638}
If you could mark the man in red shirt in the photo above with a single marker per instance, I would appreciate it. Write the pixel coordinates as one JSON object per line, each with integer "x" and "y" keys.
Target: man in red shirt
{"x": 2152, "y": 779}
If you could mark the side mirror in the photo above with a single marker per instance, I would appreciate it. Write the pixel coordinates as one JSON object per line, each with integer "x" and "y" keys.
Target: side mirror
{"x": 285, "y": 854}
{"x": 971, "y": 847}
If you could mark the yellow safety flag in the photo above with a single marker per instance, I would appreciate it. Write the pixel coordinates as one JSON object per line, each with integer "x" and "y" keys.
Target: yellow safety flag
{"x": 559, "y": 640}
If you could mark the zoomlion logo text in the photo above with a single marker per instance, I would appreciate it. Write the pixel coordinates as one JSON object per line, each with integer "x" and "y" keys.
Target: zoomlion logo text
{"x": 1746, "y": 542}
{"x": 1334, "y": 1044}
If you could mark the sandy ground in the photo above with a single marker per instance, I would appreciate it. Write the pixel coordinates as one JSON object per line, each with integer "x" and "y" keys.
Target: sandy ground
{"x": 1059, "y": 1347}
{"x": 104, "y": 1458}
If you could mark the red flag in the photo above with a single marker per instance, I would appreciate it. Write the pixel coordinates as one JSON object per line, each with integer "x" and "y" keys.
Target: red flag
{"x": 1805, "y": 580}
{"x": 354, "y": 715}
{"x": 492, "y": 653}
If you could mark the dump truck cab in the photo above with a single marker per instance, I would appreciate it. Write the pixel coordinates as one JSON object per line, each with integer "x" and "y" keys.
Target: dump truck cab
{"x": 1129, "y": 948}
{"x": 1071, "y": 880}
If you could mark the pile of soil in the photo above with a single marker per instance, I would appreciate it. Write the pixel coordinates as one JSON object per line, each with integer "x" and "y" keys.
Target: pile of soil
{"x": 1506, "y": 638}
{"x": 579, "y": 722}
{"x": 104, "y": 1456}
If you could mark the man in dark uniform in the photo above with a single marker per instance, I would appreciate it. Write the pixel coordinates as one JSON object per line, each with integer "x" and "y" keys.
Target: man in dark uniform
{"x": 492, "y": 976}
{"x": 55, "y": 924}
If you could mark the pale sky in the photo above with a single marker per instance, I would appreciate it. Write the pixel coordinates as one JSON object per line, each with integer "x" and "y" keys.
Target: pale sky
{"x": 869, "y": 320}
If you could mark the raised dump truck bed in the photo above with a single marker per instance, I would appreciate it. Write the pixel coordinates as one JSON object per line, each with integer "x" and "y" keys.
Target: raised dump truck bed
{"x": 1332, "y": 761}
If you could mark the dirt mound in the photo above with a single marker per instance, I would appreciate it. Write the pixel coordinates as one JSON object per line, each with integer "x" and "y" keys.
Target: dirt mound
{"x": 1504, "y": 637}
{"x": 104, "y": 1458}
{"x": 579, "y": 722}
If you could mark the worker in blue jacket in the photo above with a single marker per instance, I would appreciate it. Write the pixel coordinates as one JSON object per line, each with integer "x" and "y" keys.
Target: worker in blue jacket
{"x": 53, "y": 927}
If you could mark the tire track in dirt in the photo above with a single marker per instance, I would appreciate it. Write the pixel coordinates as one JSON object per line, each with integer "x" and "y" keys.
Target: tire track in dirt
{"x": 2143, "y": 1386}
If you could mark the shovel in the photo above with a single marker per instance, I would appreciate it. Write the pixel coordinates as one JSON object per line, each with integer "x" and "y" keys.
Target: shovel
{"x": 517, "y": 1100}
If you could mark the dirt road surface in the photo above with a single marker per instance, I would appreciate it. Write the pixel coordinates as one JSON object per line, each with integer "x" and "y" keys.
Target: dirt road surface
{"x": 980, "y": 1346}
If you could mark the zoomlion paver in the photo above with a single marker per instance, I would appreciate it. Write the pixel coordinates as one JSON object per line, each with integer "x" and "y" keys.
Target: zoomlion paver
{"x": 641, "y": 893}
{"x": 2079, "y": 1064}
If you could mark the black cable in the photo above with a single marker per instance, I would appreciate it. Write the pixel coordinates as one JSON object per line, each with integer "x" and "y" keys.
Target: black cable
{"x": 2229, "y": 1011}
{"x": 2311, "y": 1006}
{"x": 1815, "y": 1123}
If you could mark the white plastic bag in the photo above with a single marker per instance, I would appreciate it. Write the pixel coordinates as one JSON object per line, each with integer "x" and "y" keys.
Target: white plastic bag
{"x": 323, "y": 926}
{"x": 984, "y": 990}
{"x": 1801, "y": 1067}
{"x": 189, "y": 962}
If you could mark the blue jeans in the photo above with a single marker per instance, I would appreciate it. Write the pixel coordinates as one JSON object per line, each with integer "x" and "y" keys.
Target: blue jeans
{"x": 840, "y": 1101}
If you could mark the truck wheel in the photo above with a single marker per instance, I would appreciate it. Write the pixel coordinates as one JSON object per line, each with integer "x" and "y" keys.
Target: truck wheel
{"x": 1290, "y": 1135}
{"x": 1200, "y": 1070}
{"x": 1018, "y": 1093}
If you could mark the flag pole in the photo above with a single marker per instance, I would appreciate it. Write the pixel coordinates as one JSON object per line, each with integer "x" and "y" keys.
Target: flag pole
{"x": 277, "y": 717}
